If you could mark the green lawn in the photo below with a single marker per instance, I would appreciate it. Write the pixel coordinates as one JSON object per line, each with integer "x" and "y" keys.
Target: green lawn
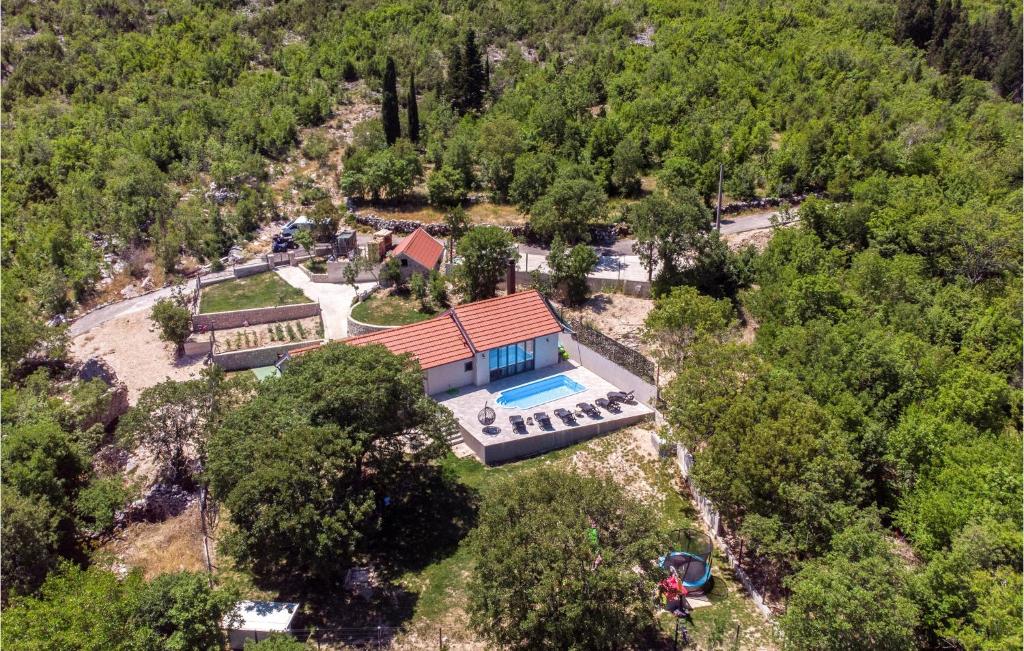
{"x": 392, "y": 310}
{"x": 262, "y": 290}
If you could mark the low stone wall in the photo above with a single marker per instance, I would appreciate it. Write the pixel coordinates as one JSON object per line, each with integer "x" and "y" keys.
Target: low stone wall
{"x": 201, "y": 347}
{"x": 241, "y": 271}
{"x": 240, "y": 360}
{"x": 255, "y": 316}
{"x": 600, "y": 234}
{"x": 313, "y": 277}
{"x": 359, "y": 328}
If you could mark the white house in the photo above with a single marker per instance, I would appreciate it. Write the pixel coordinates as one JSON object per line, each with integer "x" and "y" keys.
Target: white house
{"x": 477, "y": 342}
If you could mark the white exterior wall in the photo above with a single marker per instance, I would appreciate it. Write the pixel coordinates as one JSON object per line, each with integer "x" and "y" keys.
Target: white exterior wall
{"x": 449, "y": 376}
{"x": 481, "y": 369}
{"x": 545, "y": 351}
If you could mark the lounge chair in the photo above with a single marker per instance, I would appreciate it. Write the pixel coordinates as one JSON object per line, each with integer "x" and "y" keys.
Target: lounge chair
{"x": 609, "y": 405}
{"x": 543, "y": 420}
{"x": 588, "y": 409}
{"x": 518, "y": 424}
{"x": 620, "y": 396}
{"x": 567, "y": 416}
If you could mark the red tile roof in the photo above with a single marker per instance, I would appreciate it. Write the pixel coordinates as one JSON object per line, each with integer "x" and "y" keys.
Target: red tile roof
{"x": 507, "y": 319}
{"x": 487, "y": 324}
{"x": 422, "y": 248}
{"x": 434, "y": 342}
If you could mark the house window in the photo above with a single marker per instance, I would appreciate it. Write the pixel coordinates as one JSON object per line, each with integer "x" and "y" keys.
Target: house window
{"x": 509, "y": 360}
{"x": 405, "y": 262}
{"x": 469, "y": 366}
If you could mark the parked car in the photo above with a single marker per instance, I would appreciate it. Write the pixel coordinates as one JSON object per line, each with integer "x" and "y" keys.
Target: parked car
{"x": 284, "y": 243}
{"x": 297, "y": 224}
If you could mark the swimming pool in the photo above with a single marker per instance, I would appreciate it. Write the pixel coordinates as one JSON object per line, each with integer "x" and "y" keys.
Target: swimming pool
{"x": 539, "y": 392}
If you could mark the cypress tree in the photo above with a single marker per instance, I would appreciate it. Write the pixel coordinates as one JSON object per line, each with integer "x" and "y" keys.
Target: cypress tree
{"x": 474, "y": 80}
{"x": 413, "y": 110}
{"x": 487, "y": 76}
{"x": 389, "y": 104}
{"x": 456, "y": 80}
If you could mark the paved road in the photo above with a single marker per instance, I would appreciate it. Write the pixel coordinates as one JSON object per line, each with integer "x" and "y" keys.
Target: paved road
{"x": 335, "y": 300}
{"x": 115, "y": 310}
{"x": 610, "y": 265}
{"x": 749, "y": 222}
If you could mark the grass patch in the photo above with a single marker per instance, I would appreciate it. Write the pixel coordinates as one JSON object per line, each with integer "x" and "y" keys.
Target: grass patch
{"x": 392, "y": 310}
{"x": 316, "y": 265}
{"x": 262, "y": 290}
{"x": 441, "y": 587}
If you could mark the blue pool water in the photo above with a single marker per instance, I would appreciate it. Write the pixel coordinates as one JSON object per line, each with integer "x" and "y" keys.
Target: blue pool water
{"x": 539, "y": 392}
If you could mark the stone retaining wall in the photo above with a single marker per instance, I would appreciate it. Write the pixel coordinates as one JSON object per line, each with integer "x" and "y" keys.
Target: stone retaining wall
{"x": 240, "y": 360}
{"x": 359, "y": 328}
{"x": 201, "y": 347}
{"x": 255, "y": 316}
{"x": 615, "y": 351}
{"x": 600, "y": 234}
{"x": 624, "y": 378}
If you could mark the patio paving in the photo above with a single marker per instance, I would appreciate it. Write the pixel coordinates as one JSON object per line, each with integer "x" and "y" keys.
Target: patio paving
{"x": 505, "y": 444}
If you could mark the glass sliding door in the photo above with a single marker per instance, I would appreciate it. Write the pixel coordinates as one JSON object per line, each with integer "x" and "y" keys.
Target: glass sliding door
{"x": 511, "y": 359}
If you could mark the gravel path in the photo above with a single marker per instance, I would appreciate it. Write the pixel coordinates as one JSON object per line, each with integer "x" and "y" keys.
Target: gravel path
{"x": 335, "y": 300}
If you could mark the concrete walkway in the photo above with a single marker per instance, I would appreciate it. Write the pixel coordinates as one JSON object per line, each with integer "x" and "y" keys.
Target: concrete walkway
{"x": 335, "y": 300}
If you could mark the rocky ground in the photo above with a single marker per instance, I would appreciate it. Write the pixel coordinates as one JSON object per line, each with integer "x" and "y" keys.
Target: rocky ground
{"x": 617, "y": 315}
{"x": 131, "y": 346}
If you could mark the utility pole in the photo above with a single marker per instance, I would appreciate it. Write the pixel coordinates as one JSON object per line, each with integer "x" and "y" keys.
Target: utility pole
{"x": 718, "y": 211}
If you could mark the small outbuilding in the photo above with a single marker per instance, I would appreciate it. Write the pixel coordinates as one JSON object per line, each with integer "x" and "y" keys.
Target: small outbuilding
{"x": 258, "y": 620}
{"x": 418, "y": 253}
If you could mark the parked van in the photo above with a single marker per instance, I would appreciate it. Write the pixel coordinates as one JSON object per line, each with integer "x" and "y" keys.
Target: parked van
{"x": 295, "y": 225}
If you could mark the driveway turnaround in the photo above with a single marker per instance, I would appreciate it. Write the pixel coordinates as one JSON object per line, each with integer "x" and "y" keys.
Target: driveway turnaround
{"x": 335, "y": 299}
{"x": 121, "y": 308}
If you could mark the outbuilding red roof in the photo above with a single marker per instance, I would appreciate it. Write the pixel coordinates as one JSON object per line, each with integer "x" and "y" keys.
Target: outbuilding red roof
{"x": 507, "y": 319}
{"x": 470, "y": 328}
{"x": 434, "y": 342}
{"x": 422, "y": 248}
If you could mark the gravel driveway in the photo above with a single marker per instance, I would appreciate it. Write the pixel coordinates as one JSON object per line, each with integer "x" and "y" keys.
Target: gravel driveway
{"x": 119, "y": 309}
{"x": 335, "y": 300}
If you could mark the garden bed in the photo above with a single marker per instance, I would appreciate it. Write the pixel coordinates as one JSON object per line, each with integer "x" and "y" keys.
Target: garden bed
{"x": 261, "y": 290}
{"x": 268, "y": 334}
{"x": 316, "y": 265}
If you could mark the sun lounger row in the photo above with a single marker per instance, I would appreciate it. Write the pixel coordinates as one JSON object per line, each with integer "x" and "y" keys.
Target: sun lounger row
{"x": 610, "y": 404}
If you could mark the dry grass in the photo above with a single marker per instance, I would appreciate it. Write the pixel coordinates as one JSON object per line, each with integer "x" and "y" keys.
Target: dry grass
{"x": 419, "y": 210}
{"x": 617, "y": 315}
{"x": 173, "y": 545}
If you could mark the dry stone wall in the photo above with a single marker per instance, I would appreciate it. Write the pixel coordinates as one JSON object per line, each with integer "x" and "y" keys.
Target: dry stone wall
{"x": 239, "y": 360}
{"x": 255, "y": 316}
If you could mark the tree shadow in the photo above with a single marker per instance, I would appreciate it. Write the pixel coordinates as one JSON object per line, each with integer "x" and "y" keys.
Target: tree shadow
{"x": 424, "y": 521}
{"x": 426, "y": 514}
{"x": 598, "y": 303}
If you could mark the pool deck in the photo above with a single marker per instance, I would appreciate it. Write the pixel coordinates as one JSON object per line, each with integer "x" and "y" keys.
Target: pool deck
{"x": 506, "y": 445}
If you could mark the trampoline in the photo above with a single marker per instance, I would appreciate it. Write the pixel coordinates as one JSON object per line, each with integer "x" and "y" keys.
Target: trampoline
{"x": 691, "y": 562}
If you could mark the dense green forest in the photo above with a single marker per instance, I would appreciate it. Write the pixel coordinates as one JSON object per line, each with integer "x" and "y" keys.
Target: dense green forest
{"x": 865, "y": 448}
